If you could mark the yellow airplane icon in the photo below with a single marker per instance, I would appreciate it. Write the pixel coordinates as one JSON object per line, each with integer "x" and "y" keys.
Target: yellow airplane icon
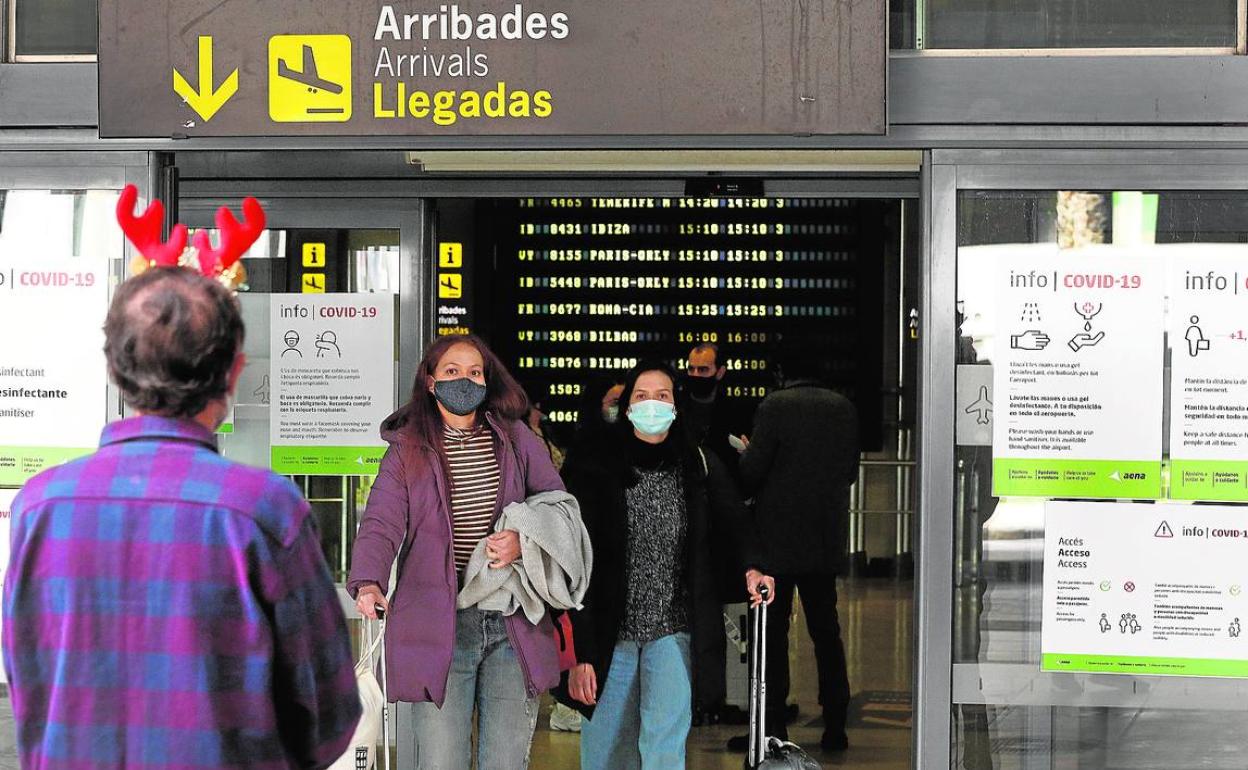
{"x": 450, "y": 286}
{"x": 310, "y": 78}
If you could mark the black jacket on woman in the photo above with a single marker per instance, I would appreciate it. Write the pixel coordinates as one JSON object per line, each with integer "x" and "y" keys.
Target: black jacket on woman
{"x": 598, "y": 474}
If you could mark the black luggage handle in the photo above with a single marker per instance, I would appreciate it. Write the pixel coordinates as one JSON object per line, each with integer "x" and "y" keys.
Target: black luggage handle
{"x": 758, "y": 682}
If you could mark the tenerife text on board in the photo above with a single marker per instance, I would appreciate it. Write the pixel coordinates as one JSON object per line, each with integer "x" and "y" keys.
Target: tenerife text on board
{"x": 394, "y": 98}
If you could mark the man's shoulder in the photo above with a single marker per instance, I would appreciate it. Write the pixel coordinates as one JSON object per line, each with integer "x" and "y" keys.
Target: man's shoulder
{"x": 806, "y": 394}
{"x": 805, "y": 402}
{"x": 195, "y": 476}
{"x": 62, "y": 480}
{"x": 792, "y": 398}
{"x": 272, "y": 501}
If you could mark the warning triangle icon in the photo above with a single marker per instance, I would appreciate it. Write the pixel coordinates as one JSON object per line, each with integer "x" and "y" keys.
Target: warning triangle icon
{"x": 1164, "y": 531}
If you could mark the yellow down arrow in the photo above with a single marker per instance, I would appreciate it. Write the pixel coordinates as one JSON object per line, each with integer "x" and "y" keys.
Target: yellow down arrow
{"x": 205, "y": 101}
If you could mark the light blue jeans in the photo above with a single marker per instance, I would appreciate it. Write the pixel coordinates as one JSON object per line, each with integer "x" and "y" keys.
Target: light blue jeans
{"x": 644, "y": 709}
{"x": 486, "y": 677}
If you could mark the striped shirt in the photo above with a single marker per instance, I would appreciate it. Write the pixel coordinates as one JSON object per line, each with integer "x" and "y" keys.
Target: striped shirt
{"x": 167, "y": 608}
{"x": 474, "y": 471}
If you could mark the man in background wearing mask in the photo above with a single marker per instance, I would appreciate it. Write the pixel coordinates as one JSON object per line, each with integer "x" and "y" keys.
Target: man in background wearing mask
{"x": 798, "y": 465}
{"x": 712, "y": 415}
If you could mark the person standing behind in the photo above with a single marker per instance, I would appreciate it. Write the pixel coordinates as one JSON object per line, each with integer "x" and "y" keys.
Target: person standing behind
{"x": 163, "y": 605}
{"x": 598, "y": 408}
{"x": 713, "y": 414}
{"x": 459, "y": 454}
{"x": 799, "y": 465}
{"x": 542, "y": 427}
{"x": 650, "y": 501}
{"x": 714, "y": 417}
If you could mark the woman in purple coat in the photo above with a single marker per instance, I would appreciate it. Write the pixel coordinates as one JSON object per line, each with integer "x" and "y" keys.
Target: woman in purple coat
{"x": 458, "y": 455}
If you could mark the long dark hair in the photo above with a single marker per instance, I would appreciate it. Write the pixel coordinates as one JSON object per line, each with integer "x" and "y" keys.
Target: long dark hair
{"x": 504, "y": 398}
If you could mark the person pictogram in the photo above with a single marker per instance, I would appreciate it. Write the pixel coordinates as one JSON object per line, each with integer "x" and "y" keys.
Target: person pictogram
{"x": 1196, "y": 339}
{"x": 291, "y": 338}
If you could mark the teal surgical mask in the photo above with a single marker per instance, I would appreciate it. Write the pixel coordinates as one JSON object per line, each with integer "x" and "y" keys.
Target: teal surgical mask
{"x": 653, "y": 418}
{"x": 611, "y": 414}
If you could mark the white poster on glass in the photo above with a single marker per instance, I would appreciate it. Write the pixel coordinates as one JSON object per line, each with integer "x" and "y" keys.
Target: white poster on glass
{"x": 1209, "y": 374}
{"x": 1146, "y": 589}
{"x": 332, "y": 363}
{"x": 1078, "y": 375}
{"x": 53, "y": 379}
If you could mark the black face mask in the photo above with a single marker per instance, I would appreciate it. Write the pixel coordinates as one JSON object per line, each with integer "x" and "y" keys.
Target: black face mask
{"x": 701, "y": 387}
{"x": 461, "y": 397}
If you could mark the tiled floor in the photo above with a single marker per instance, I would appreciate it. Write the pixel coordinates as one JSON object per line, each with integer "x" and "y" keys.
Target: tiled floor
{"x": 876, "y": 623}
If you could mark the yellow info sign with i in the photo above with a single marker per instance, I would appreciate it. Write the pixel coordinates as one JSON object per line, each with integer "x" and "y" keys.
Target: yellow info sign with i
{"x": 310, "y": 78}
{"x": 314, "y": 255}
{"x": 450, "y": 256}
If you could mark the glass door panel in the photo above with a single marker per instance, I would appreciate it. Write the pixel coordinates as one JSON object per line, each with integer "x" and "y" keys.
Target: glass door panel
{"x": 314, "y": 255}
{"x": 1006, "y": 711}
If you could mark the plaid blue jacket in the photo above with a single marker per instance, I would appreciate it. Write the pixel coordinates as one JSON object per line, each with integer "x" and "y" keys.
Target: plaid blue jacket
{"x": 167, "y": 608}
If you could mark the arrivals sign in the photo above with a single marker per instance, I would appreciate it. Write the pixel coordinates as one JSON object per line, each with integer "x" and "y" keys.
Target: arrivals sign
{"x": 53, "y": 380}
{"x": 490, "y": 67}
{"x": 1077, "y": 384}
{"x": 1145, "y": 589}
{"x": 332, "y": 379}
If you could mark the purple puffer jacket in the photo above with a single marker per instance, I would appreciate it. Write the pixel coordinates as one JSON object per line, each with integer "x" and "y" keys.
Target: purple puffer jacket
{"x": 409, "y": 506}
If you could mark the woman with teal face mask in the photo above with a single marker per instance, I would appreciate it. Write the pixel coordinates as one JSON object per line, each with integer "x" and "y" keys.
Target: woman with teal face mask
{"x": 653, "y": 504}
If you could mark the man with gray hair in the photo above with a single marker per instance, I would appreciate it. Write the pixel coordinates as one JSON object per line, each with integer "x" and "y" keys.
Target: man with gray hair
{"x": 163, "y": 605}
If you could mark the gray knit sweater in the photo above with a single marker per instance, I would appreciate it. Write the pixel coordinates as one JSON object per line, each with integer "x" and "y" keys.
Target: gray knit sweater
{"x": 657, "y": 603}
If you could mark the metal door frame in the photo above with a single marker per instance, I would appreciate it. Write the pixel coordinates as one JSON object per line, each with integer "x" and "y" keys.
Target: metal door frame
{"x": 387, "y": 203}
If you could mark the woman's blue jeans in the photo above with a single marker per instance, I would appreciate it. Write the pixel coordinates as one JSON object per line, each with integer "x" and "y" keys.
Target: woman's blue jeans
{"x": 644, "y": 709}
{"x": 486, "y": 677}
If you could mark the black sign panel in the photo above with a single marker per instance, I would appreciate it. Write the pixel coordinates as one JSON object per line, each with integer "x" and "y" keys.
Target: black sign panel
{"x": 588, "y": 286}
{"x": 485, "y": 67}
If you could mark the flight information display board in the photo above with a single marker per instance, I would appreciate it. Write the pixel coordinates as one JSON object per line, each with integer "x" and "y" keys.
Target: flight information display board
{"x": 579, "y": 287}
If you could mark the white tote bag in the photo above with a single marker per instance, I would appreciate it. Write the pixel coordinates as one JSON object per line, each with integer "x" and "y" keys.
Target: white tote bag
{"x": 361, "y": 754}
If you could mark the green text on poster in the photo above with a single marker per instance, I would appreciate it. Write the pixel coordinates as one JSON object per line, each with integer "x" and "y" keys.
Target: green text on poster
{"x": 326, "y": 461}
{"x": 1220, "y": 480}
{"x": 19, "y": 464}
{"x": 1144, "y": 666}
{"x": 1088, "y": 479}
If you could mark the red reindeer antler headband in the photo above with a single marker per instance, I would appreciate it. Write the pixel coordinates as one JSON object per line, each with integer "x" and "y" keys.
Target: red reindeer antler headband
{"x": 221, "y": 263}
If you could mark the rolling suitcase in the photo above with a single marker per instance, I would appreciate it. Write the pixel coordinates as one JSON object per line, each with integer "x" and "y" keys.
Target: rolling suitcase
{"x": 767, "y": 753}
